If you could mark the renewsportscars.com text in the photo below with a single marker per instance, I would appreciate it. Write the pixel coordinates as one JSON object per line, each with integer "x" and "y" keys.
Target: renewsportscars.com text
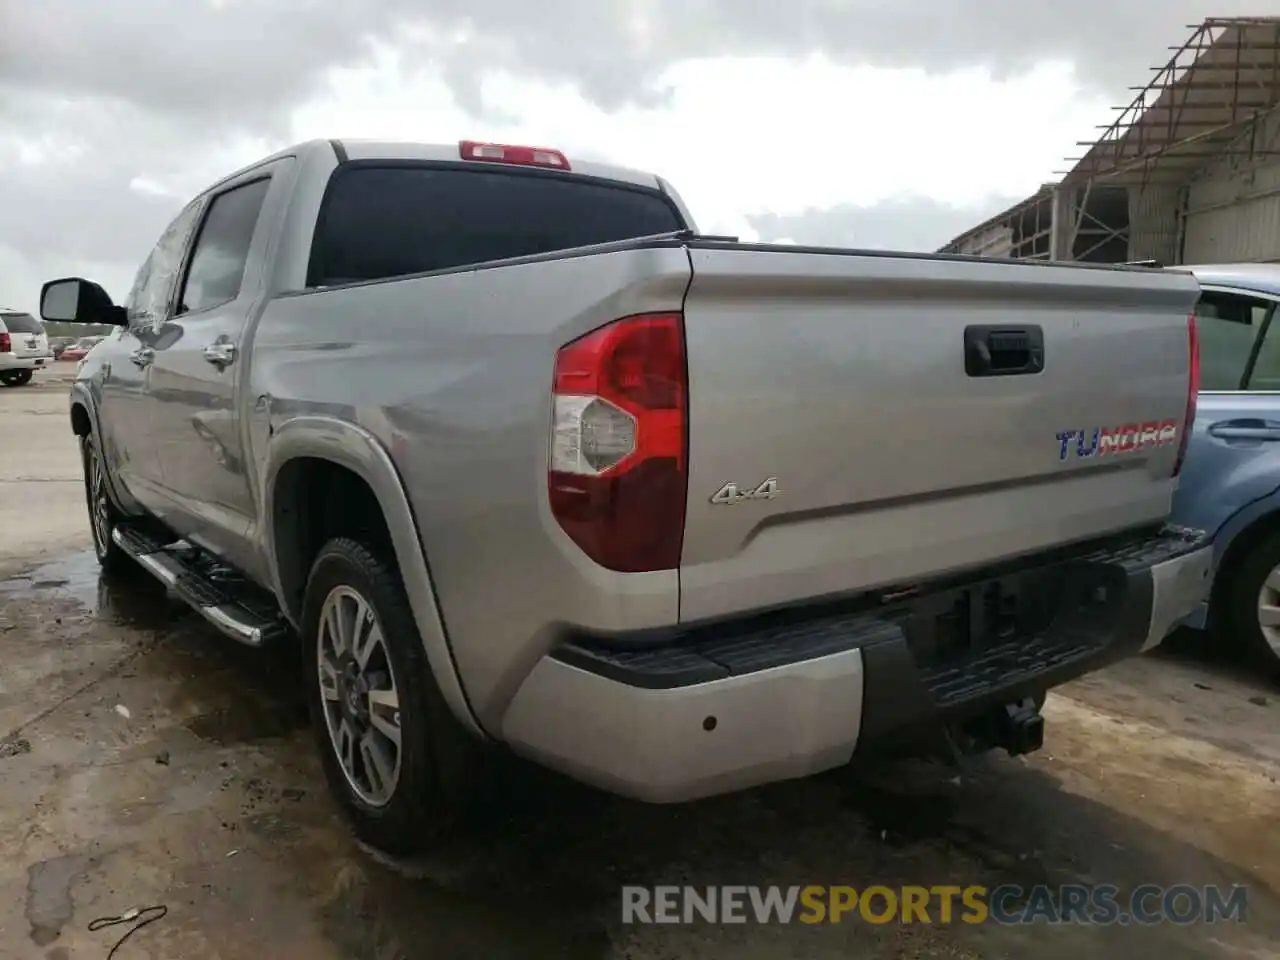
{"x": 1103, "y": 904}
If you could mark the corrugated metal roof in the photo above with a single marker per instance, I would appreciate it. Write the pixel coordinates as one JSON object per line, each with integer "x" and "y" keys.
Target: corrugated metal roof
{"x": 1045, "y": 191}
{"x": 1198, "y": 105}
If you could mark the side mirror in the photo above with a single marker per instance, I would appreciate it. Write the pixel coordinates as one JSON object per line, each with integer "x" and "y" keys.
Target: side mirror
{"x": 73, "y": 300}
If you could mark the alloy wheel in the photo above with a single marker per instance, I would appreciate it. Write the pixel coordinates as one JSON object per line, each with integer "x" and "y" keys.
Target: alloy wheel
{"x": 359, "y": 695}
{"x": 1269, "y": 610}
{"x": 99, "y": 507}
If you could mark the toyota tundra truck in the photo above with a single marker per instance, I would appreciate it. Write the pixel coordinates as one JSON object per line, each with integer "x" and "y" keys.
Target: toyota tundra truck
{"x": 520, "y": 458}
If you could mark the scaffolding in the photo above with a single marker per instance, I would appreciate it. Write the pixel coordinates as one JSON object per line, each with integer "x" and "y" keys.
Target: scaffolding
{"x": 1025, "y": 230}
{"x": 1209, "y": 100}
{"x": 1021, "y": 232}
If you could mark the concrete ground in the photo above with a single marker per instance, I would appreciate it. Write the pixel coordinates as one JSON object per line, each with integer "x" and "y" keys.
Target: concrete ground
{"x": 39, "y": 464}
{"x": 146, "y": 761}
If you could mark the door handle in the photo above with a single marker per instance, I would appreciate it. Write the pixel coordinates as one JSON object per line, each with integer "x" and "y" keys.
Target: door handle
{"x": 221, "y": 353}
{"x": 143, "y": 356}
{"x": 1003, "y": 351}
{"x": 1245, "y": 429}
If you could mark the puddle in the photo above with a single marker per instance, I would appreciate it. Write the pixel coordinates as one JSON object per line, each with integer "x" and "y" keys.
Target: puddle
{"x": 247, "y": 721}
{"x": 376, "y": 914}
{"x": 49, "y": 904}
{"x": 129, "y": 598}
{"x": 77, "y": 575}
{"x": 238, "y": 695}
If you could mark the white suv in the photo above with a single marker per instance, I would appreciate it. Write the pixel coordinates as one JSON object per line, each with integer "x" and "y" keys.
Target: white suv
{"x": 24, "y": 347}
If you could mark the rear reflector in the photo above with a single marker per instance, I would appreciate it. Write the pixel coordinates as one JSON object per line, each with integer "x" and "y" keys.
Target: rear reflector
{"x": 1193, "y": 391}
{"x": 508, "y": 153}
{"x": 616, "y": 472}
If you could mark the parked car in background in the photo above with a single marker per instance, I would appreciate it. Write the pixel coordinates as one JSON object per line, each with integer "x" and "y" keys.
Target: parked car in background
{"x": 79, "y": 349}
{"x": 59, "y": 344}
{"x": 24, "y": 347}
{"x": 1231, "y": 480}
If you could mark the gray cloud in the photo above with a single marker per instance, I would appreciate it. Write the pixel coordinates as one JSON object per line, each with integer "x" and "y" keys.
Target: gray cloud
{"x": 59, "y": 225}
{"x": 246, "y": 62}
{"x": 232, "y": 62}
{"x": 105, "y": 92}
{"x": 910, "y": 223}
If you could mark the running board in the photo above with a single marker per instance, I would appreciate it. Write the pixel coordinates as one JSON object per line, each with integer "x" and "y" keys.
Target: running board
{"x": 242, "y": 612}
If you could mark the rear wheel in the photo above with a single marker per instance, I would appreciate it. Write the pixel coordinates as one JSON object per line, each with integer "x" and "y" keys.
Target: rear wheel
{"x": 394, "y": 756}
{"x": 1254, "y": 606}
{"x": 15, "y": 378}
{"x": 103, "y": 515}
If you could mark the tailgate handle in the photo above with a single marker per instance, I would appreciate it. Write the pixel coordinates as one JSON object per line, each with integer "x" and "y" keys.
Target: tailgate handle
{"x": 1003, "y": 351}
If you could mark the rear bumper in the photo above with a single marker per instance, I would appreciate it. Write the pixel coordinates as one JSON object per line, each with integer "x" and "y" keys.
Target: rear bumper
{"x": 720, "y": 708}
{"x": 9, "y": 362}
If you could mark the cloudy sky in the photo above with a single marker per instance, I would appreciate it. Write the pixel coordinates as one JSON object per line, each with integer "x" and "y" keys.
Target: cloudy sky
{"x": 873, "y": 123}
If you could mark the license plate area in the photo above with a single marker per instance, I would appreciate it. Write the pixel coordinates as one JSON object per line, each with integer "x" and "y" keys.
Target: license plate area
{"x": 952, "y": 626}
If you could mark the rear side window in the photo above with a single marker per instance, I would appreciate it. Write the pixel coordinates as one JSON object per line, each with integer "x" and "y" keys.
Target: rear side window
{"x": 222, "y": 248}
{"x": 381, "y": 222}
{"x": 20, "y": 323}
{"x": 1228, "y": 324}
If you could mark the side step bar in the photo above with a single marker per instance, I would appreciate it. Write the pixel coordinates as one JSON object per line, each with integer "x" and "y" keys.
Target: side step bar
{"x": 250, "y": 620}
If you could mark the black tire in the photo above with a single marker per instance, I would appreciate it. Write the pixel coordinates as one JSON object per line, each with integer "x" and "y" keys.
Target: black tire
{"x": 440, "y": 763}
{"x": 1243, "y": 596}
{"x": 103, "y": 515}
{"x": 15, "y": 378}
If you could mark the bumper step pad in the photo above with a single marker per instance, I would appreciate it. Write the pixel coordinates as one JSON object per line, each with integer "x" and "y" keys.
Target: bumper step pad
{"x": 1104, "y": 615}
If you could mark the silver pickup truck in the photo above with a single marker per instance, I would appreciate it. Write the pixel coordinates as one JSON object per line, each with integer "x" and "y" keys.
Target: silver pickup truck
{"x": 523, "y": 459}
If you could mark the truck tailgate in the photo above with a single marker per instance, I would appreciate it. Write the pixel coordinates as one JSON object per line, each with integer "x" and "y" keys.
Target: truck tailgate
{"x": 842, "y": 378}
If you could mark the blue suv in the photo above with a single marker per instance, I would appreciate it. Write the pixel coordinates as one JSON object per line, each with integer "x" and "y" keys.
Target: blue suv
{"x": 1230, "y": 483}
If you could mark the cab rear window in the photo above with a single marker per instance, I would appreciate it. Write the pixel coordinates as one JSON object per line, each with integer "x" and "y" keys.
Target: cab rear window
{"x": 20, "y": 323}
{"x": 388, "y": 221}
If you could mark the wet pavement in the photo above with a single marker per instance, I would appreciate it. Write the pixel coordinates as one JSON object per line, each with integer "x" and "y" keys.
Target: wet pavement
{"x": 145, "y": 761}
{"x": 41, "y": 493}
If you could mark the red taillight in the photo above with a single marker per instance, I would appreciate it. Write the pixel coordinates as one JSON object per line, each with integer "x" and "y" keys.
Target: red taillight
{"x": 617, "y": 465}
{"x": 508, "y": 153}
{"x": 1193, "y": 391}
{"x": 6, "y": 344}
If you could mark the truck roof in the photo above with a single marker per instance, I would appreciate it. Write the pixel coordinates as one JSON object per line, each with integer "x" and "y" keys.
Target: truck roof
{"x": 360, "y": 149}
{"x": 449, "y": 153}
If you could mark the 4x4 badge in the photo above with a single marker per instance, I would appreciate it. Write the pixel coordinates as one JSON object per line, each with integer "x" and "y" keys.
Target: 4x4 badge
{"x": 731, "y": 494}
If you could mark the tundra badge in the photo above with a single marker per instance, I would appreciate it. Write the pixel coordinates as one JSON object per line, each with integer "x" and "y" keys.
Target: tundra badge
{"x": 1129, "y": 438}
{"x": 731, "y": 494}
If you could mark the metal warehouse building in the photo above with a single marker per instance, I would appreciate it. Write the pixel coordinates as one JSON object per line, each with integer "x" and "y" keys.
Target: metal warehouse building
{"x": 1188, "y": 172}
